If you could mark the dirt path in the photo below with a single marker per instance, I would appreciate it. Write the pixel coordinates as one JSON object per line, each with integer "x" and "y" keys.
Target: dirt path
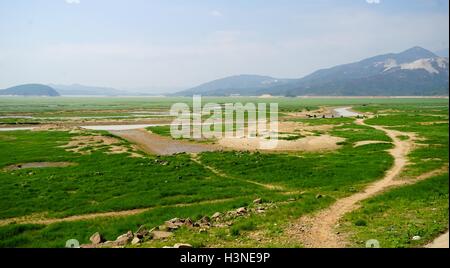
{"x": 440, "y": 242}
{"x": 156, "y": 144}
{"x": 219, "y": 173}
{"x": 40, "y": 219}
{"x": 317, "y": 231}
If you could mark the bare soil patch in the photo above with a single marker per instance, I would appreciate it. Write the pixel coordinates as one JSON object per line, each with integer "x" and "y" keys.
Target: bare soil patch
{"x": 307, "y": 144}
{"x": 440, "y": 242}
{"x": 91, "y": 143}
{"x": 156, "y": 144}
{"x": 39, "y": 165}
{"x": 362, "y": 143}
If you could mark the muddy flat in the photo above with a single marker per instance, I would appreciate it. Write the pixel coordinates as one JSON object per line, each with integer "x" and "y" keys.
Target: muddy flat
{"x": 307, "y": 144}
{"x": 39, "y": 165}
{"x": 159, "y": 145}
{"x": 15, "y": 128}
{"x": 440, "y": 242}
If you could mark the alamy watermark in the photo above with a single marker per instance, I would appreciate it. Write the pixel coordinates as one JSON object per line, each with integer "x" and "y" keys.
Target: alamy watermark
{"x": 229, "y": 120}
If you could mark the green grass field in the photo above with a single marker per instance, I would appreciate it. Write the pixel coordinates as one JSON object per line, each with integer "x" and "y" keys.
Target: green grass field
{"x": 178, "y": 186}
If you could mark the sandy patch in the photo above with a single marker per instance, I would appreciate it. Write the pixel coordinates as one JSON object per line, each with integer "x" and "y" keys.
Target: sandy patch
{"x": 159, "y": 145}
{"x": 307, "y": 144}
{"x": 433, "y": 123}
{"x": 362, "y": 143}
{"x": 39, "y": 165}
{"x": 88, "y": 144}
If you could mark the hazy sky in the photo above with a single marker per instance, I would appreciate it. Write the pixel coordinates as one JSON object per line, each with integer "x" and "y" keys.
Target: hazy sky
{"x": 179, "y": 43}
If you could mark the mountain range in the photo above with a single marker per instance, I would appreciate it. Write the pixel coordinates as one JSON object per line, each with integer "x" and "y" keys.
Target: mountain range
{"x": 30, "y": 90}
{"x": 415, "y": 72}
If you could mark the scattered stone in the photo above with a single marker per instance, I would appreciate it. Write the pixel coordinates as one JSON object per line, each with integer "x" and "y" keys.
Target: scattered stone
{"x": 257, "y": 201}
{"x": 135, "y": 241}
{"x": 158, "y": 235}
{"x": 319, "y": 196}
{"x": 180, "y": 245}
{"x": 88, "y": 246}
{"x": 416, "y": 238}
{"x": 291, "y": 200}
{"x": 142, "y": 232}
{"x": 96, "y": 238}
{"x": 170, "y": 226}
{"x": 242, "y": 210}
{"x": 216, "y": 215}
{"x": 260, "y": 210}
{"x": 124, "y": 239}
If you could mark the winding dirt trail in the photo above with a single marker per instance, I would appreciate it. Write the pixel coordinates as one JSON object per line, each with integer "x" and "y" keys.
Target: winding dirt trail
{"x": 40, "y": 219}
{"x": 194, "y": 157}
{"x": 317, "y": 231}
{"x": 440, "y": 242}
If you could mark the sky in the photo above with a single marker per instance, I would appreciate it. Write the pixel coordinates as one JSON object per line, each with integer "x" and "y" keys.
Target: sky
{"x": 166, "y": 45}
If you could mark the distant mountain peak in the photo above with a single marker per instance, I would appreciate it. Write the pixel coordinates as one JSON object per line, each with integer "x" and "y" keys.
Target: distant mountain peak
{"x": 415, "y": 71}
{"x": 418, "y": 52}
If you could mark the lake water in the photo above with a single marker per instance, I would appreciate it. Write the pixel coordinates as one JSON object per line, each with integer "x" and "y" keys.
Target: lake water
{"x": 345, "y": 112}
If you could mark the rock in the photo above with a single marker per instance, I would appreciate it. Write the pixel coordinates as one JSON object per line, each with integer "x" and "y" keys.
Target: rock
{"x": 257, "y": 201}
{"x": 174, "y": 220}
{"x": 161, "y": 235}
{"x": 260, "y": 210}
{"x": 142, "y": 232}
{"x": 319, "y": 196}
{"x": 124, "y": 239}
{"x": 416, "y": 238}
{"x": 96, "y": 238}
{"x": 180, "y": 245}
{"x": 205, "y": 220}
{"x": 88, "y": 246}
{"x": 242, "y": 210}
{"x": 163, "y": 228}
{"x": 188, "y": 222}
{"x": 216, "y": 215}
{"x": 170, "y": 226}
{"x": 135, "y": 241}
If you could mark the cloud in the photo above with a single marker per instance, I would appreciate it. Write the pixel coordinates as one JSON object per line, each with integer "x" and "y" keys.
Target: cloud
{"x": 216, "y": 13}
{"x": 373, "y": 1}
{"x": 70, "y": 2}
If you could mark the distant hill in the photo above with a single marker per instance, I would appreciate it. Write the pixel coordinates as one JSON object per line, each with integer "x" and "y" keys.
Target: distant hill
{"x": 416, "y": 72}
{"x": 30, "y": 90}
{"x": 239, "y": 84}
{"x": 442, "y": 53}
{"x": 82, "y": 90}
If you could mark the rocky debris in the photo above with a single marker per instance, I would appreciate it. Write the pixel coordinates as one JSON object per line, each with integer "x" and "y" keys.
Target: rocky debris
{"x": 135, "y": 241}
{"x": 416, "y": 238}
{"x": 218, "y": 219}
{"x": 241, "y": 211}
{"x": 158, "y": 235}
{"x": 142, "y": 232}
{"x": 257, "y": 201}
{"x": 216, "y": 216}
{"x": 260, "y": 210}
{"x": 204, "y": 222}
{"x": 319, "y": 196}
{"x": 124, "y": 239}
{"x": 96, "y": 238}
{"x": 180, "y": 245}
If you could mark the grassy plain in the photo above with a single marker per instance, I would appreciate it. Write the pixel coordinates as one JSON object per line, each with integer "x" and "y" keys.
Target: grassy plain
{"x": 177, "y": 186}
